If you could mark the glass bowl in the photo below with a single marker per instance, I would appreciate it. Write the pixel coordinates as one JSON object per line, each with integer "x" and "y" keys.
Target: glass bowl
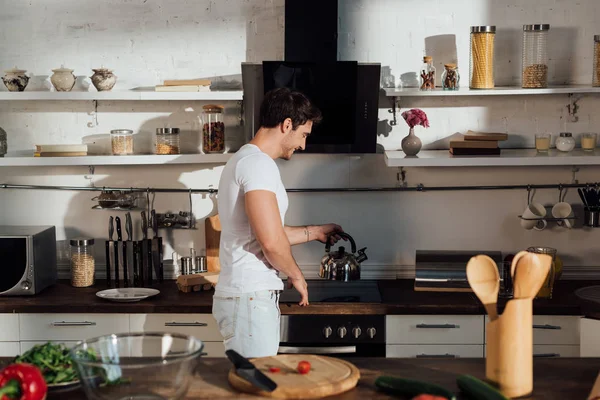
{"x": 137, "y": 365}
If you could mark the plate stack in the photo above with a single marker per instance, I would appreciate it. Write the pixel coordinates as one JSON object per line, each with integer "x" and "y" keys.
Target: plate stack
{"x": 477, "y": 144}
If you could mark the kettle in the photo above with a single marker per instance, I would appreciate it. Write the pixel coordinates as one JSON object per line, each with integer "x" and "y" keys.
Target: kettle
{"x": 340, "y": 265}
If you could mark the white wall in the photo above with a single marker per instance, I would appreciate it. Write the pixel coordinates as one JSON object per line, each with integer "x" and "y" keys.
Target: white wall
{"x": 148, "y": 41}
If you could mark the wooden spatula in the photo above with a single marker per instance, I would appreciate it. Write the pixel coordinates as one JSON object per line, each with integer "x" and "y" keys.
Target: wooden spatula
{"x": 483, "y": 276}
{"x": 530, "y": 273}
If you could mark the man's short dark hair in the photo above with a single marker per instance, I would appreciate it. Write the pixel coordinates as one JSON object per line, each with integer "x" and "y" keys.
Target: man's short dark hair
{"x": 282, "y": 103}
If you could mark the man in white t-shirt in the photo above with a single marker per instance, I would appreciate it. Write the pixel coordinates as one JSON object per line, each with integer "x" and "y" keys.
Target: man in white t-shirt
{"x": 255, "y": 242}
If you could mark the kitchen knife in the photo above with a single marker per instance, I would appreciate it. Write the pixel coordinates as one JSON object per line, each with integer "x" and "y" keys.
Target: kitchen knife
{"x": 110, "y": 247}
{"x": 118, "y": 261}
{"x": 583, "y": 198}
{"x": 127, "y": 262}
{"x": 144, "y": 250}
{"x": 246, "y": 370}
{"x": 156, "y": 262}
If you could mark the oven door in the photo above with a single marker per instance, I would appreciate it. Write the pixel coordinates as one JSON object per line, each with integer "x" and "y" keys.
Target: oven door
{"x": 346, "y": 351}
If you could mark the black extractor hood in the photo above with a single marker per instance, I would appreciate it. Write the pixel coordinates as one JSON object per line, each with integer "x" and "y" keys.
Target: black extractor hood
{"x": 311, "y": 30}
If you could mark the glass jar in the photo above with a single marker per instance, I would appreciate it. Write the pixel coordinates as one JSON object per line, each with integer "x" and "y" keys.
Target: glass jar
{"x": 3, "y": 142}
{"x": 542, "y": 142}
{"x": 167, "y": 141}
{"x": 481, "y": 62}
{"x": 82, "y": 262}
{"x": 565, "y": 142}
{"x": 427, "y": 74}
{"x": 213, "y": 129}
{"x": 535, "y": 56}
{"x": 596, "y": 76}
{"x": 450, "y": 77}
{"x": 121, "y": 141}
{"x": 588, "y": 141}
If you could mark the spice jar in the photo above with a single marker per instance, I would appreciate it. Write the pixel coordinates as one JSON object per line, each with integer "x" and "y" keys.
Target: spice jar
{"x": 167, "y": 141}
{"x": 565, "y": 142}
{"x": 121, "y": 141}
{"x": 82, "y": 262}
{"x": 3, "y": 142}
{"x": 596, "y": 76}
{"x": 427, "y": 74}
{"x": 450, "y": 77}
{"x": 535, "y": 56}
{"x": 481, "y": 63}
{"x": 213, "y": 129}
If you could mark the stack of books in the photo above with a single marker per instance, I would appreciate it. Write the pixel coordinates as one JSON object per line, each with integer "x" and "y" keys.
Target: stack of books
{"x": 477, "y": 144}
{"x": 60, "y": 150}
{"x": 184, "y": 85}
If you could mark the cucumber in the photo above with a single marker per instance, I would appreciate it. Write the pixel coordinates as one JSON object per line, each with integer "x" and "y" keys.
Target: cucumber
{"x": 410, "y": 387}
{"x": 477, "y": 389}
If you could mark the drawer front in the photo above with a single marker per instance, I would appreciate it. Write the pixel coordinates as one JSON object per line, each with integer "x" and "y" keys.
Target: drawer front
{"x": 201, "y": 326}
{"x": 555, "y": 351}
{"x": 552, "y": 329}
{"x": 9, "y": 349}
{"x": 214, "y": 349}
{"x": 71, "y": 327}
{"x": 590, "y": 339}
{"x": 434, "y": 329}
{"x": 27, "y": 345}
{"x": 10, "y": 327}
{"x": 434, "y": 351}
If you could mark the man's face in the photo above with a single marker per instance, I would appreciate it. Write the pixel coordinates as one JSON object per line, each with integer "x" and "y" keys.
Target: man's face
{"x": 295, "y": 140}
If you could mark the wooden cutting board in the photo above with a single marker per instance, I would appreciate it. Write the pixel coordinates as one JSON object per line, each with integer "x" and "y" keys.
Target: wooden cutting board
{"x": 328, "y": 376}
{"x": 212, "y": 232}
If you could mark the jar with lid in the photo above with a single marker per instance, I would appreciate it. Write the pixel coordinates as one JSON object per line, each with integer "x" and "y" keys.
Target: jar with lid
{"x": 121, "y": 141}
{"x": 213, "y": 129}
{"x": 535, "y": 56}
{"x": 596, "y": 68}
{"x": 450, "y": 77}
{"x": 565, "y": 142}
{"x": 167, "y": 141}
{"x": 427, "y": 74}
{"x": 481, "y": 61}
{"x": 82, "y": 262}
{"x": 3, "y": 142}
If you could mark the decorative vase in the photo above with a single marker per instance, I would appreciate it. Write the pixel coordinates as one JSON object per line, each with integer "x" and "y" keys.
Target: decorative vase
{"x": 103, "y": 79}
{"x": 411, "y": 144}
{"x": 63, "y": 79}
{"x": 15, "y": 80}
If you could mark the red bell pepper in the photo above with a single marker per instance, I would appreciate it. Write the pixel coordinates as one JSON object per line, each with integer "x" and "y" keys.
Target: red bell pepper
{"x": 23, "y": 382}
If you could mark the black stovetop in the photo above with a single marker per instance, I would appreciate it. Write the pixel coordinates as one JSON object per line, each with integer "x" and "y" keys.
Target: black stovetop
{"x": 324, "y": 291}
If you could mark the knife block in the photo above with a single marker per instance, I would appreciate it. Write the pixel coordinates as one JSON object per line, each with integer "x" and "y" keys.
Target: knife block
{"x": 509, "y": 349}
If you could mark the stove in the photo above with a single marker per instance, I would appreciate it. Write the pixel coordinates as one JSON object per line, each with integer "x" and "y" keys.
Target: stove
{"x": 324, "y": 291}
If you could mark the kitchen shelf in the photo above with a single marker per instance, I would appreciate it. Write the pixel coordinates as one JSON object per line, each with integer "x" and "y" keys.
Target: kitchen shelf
{"x": 508, "y": 158}
{"x": 122, "y": 95}
{"x": 498, "y": 91}
{"x": 145, "y": 159}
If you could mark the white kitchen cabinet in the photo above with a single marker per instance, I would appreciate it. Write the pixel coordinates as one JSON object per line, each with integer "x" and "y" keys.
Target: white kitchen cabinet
{"x": 201, "y": 326}
{"x": 70, "y": 327}
{"x": 28, "y": 344}
{"x": 556, "y": 329}
{"x": 434, "y": 329}
{"x": 9, "y": 349}
{"x": 214, "y": 349}
{"x": 434, "y": 351}
{"x": 544, "y": 350}
{"x": 590, "y": 337}
{"x": 9, "y": 327}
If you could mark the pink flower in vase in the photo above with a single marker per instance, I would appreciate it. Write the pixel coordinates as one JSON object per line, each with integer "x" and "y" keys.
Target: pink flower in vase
{"x": 414, "y": 117}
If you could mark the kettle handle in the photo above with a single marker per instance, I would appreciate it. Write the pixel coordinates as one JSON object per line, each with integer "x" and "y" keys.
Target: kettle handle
{"x": 344, "y": 235}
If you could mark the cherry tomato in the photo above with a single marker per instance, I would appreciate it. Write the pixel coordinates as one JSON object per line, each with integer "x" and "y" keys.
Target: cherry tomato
{"x": 303, "y": 367}
{"x": 274, "y": 370}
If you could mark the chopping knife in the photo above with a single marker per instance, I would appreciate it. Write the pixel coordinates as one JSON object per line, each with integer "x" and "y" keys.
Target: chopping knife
{"x": 145, "y": 260}
{"x": 110, "y": 248}
{"x": 127, "y": 251}
{"x": 246, "y": 370}
{"x": 118, "y": 261}
{"x": 156, "y": 246}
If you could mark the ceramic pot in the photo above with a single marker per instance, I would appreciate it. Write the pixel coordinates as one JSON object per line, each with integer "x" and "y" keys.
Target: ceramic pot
{"x": 15, "y": 80}
{"x": 411, "y": 144}
{"x": 63, "y": 79}
{"x": 103, "y": 79}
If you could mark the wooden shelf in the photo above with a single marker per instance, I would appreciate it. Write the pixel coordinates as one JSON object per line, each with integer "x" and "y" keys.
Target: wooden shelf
{"x": 149, "y": 159}
{"x": 131, "y": 95}
{"x": 498, "y": 91}
{"x": 508, "y": 158}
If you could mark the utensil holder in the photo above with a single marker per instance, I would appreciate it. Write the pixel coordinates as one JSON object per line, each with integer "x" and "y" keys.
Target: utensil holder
{"x": 509, "y": 349}
{"x": 591, "y": 217}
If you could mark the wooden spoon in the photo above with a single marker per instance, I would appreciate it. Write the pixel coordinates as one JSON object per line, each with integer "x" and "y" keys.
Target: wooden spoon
{"x": 515, "y": 260}
{"x": 530, "y": 273}
{"x": 483, "y": 276}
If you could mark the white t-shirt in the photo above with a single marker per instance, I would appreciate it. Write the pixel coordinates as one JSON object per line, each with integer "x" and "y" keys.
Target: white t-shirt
{"x": 244, "y": 268}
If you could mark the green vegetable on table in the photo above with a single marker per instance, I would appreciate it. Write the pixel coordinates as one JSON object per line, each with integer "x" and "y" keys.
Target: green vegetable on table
{"x": 411, "y": 387}
{"x": 477, "y": 389}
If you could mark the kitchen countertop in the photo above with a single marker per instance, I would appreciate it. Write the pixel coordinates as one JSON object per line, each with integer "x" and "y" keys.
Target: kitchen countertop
{"x": 565, "y": 378}
{"x": 398, "y": 297}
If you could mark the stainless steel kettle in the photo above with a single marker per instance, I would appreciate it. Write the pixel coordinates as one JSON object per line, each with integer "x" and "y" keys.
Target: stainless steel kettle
{"x": 340, "y": 265}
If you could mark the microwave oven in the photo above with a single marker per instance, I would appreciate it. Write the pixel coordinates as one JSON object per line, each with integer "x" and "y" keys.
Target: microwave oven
{"x": 346, "y": 92}
{"x": 27, "y": 259}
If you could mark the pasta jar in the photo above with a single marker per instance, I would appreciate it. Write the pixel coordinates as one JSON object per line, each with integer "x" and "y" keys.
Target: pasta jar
{"x": 535, "y": 56}
{"x": 596, "y": 77}
{"x": 82, "y": 262}
{"x": 481, "y": 63}
{"x": 213, "y": 129}
{"x": 450, "y": 77}
{"x": 121, "y": 141}
{"x": 167, "y": 141}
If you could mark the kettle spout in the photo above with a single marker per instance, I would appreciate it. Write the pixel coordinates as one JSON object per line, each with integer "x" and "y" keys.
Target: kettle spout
{"x": 361, "y": 255}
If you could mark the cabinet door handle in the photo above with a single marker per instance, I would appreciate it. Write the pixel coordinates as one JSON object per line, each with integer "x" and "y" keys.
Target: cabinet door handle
{"x": 82, "y": 323}
{"x": 438, "y": 326}
{"x": 546, "y": 355}
{"x": 436, "y": 356}
{"x": 546, "y": 326}
{"x": 185, "y": 324}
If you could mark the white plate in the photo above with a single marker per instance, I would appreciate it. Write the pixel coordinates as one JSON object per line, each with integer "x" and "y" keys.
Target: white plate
{"x": 127, "y": 295}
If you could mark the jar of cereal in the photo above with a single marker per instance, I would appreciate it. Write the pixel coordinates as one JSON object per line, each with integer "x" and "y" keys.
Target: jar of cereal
{"x": 213, "y": 129}
{"x": 121, "y": 141}
{"x": 167, "y": 141}
{"x": 82, "y": 262}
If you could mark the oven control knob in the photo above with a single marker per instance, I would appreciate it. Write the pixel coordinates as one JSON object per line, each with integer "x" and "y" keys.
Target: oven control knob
{"x": 371, "y": 332}
{"x": 356, "y": 332}
{"x": 342, "y": 332}
{"x": 25, "y": 285}
{"x": 327, "y": 331}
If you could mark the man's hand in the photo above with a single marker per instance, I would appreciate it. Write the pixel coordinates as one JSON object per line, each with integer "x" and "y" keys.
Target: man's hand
{"x": 322, "y": 232}
{"x": 301, "y": 287}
